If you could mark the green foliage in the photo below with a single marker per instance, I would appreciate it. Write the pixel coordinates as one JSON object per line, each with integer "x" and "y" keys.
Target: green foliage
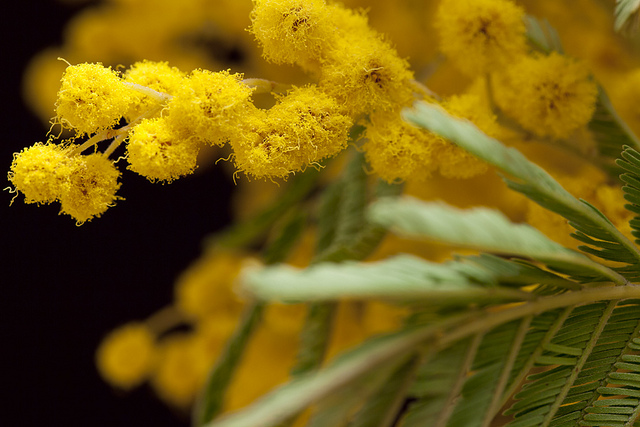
{"x": 592, "y": 227}
{"x": 565, "y": 354}
{"x": 525, "y": 333}
{"x": 626, "y": 14}
{"x": 630, "y": 163}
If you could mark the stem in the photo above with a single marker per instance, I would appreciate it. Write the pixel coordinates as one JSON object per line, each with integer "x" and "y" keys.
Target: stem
{"x": 496, "y": 403}
{"x": 555, "y": 327}
{"x": 455, "y": 393}
{"x": 158, "y": 96}
{"x": 586, "y": 352}
{"x": 493, "y": 319}
{"x": 118, "y": 134}
{"x": 167, "y": 318}
{"x": 266, "y": 86}
{"x": 114, "y": 144}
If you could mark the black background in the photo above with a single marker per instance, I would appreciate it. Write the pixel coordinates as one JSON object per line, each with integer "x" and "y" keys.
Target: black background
{"x": 63, "y": 287}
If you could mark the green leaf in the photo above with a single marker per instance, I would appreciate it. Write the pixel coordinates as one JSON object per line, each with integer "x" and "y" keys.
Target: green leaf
{"x": 610, "y": 132}
{"x": 336, "y": 409}
{"x": 480, "y": 228}
{"x": 439, "y": 383}
{"x": 248, "y": 232}
{"x": 400, "y": 277}
{"x": 531, "y": 180}
{"x": 630, "y": 163}
{"x": 626, "y": 14}
{"x": 211, "y": 400}
{"x": 542, "y": 35}
{"x": 599, "y": 335}
{"x": 351, "y": 367}
{"x": 382, "y": 409}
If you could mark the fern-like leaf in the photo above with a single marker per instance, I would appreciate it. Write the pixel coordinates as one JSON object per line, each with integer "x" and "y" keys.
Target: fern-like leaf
{"x": 532, "y": 181}
{"x": 630, "y": 163}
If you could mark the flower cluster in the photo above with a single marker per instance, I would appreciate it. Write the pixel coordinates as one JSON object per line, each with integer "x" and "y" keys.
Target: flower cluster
{"x": 176, "y": 363}
{"x": 354, "y": 87}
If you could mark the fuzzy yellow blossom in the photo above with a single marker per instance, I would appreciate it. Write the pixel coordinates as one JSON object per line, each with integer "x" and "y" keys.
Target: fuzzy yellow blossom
{"x": 158, "y": 76}
{"x": 304, "y": 127}
{"x": 92, "y": 98}
{"x": 365, "y": 74}
{"x": 625, "y": 94}
{"x": 481, "y": 36}
{"x": 395, "y": 150}
{"x": 126, "y": 356}
{"x": 548, "y": 95}
{"x": 156, "y": 152}
{"x": 453, "y": 161}
{"x": 177, "y": 376}
{"x": 40, "y": 171}
{"x": 398, "y": 151}
{"x": 292, "y": 31}
{"x": 209, "y": 105}
{"x": 205, "y": 288}
{"x": 91, "y": 187}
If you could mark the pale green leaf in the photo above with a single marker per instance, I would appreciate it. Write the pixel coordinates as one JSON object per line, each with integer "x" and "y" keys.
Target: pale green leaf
{"x": 312, "y": 387}
{"x": 529, "y": 179}
{"x": 626, "y": 13}
{"x": 479, "y": 228}
{"x": 400, "y": 277}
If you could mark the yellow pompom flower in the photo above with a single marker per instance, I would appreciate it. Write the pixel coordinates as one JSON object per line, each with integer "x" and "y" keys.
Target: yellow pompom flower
{"x": 92, "y": 98}
{"x": 156, "y": 152}
{"x": 126, "y": 356}
{"x": 40, "y": 171}
{"x": 158, "y": 76}
{"x": 205, "y": 288}
{"x": 481, "y": 36}
{"x": 395, "y": 150}
{"x": 548, "y": 95}
{"x": 398, "y": 151}
{"x": 305, "y": 127}
{"x": 292, "y": 31}
{"x": 91, "y": 187}
{"x": 177, "y": 376}
{"x": 365, "y": 74}
{"x": 453, "y": 161}
{"x": 209, "y": 105}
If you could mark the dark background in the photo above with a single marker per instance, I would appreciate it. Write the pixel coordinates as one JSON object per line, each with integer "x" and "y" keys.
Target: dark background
{"x": 63, "y": 287}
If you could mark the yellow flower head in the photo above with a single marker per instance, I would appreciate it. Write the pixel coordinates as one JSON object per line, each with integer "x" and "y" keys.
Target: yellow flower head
{"x": 126, "y": 356}
{"x": 305, "y": 127}
{"x": 178, "y": 375}
{"x": 366, "y": 74}
{"x": 40, "y": 171}
{"x": 395, "y": 150}
{"x": 398, "y": 151}
{"x": 205, "y": 288}
{"x": 158, "y": 76}
{"x": 453, "y": 161}
{"x": 92, "y": 98}
{"x": 548, "y": 95}
{"x": 156, "y": 152}
{"x": 481, "y": 35}
{"x": 209, "y": 105}
{"x": 91, "y": 187}
{"x": 291, "y": 31}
